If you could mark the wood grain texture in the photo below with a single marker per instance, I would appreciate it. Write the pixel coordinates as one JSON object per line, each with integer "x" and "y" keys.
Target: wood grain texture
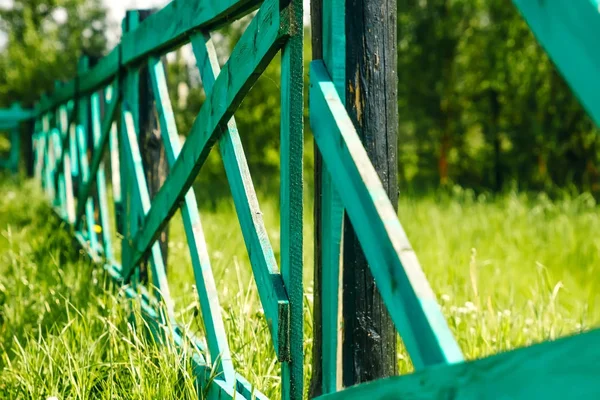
{"x": 291, "y": 198}
{"x": 216, "y": 336}
{"x": 254, "y": 51}
{"x": 394, "y": 265}
{"x": 262, "y": 258}
{"x": 549, "y": 370}
{"x": 568, "y": 32}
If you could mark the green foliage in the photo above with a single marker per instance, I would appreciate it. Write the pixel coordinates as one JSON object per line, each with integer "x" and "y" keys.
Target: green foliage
{"x": 508, "y": 270}
{"x": 45, "y": 39}
{"x": 481, "y": 104}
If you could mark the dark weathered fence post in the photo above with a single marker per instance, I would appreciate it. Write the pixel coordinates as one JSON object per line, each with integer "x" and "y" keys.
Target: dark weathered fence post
{"x": 367, "y": 82}
{"x": 369, "y": 338}
{"x": 151, "y": 144}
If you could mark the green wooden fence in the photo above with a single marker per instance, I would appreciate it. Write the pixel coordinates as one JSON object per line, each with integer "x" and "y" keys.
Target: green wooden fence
{"x": 10, "y": 122}
{"x": 100, "y": 106}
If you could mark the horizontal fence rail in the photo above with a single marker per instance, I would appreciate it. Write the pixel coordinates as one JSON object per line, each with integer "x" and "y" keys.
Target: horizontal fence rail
{"x": 87, "y": 151}
{"x": 10, "y": 122}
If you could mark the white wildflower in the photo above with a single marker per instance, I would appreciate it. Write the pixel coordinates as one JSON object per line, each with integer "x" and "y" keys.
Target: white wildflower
{"x": 445, "y": 298}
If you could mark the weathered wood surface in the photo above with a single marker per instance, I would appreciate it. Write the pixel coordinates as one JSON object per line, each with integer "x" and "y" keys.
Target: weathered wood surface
{"x": 159, "y": 276}
{"x": 168, "y": 28}
{"x": 262, "y": 258}
{"x": 393, "y": 262}
{"x": 257, "y": 46}
{"x": 370, "y": 87}
{"x": 100, "y": 146}
{"x": 564, "y": 369}
{"x": 291, "y": 201}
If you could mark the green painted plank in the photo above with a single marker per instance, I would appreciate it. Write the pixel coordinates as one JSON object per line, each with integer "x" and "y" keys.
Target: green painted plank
{"x": 216, "y": 336}
{"x": 39, "y": 157}
{"x": 157, "y": 34}
{"x": 251, "y": 55}
{"x": 564, "y": 369}
{"x": 394, "y": 265}
{"x": 100, "y": 146}
{"x": 104, "y": 72}
{"x": 262, "y": 259}
{"x": 7, "y": 125}
{"x": 48, "y": 159}
{"x": 67, "y": 129}
{"x": 85, "y": 178}
{"x": 129, "y": 215}
{"x": 115, "y": 180}
{"x": 65, "y": 120}
{"x": 138, "y": 179}
{"x": 217, "y": 388}
{"x": 100, "y": 137}
{"x": 291, "y": 200}
{"x": 332, "y": 209}
{"x": 59, "y": 176}
{"x": 172, "y": 24}
{"x": 568, "y": 31}
{"x": 15, "y": 114}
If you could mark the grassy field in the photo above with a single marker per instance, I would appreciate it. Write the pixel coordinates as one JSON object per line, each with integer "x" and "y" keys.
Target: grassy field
{"x": 508, "y": 271}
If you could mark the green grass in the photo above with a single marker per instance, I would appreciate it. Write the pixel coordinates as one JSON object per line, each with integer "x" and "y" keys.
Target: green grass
{"x": 508, "y": 271}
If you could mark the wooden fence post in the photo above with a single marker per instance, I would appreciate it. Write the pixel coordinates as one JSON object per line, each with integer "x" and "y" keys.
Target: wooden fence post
{"x": 316, "y": 379}
{"x": 369, "y": 337}
{"x": 151, "y": 145}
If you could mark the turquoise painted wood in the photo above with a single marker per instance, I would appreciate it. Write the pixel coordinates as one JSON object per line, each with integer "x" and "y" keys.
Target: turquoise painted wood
{"x": 139, "y": 220}
{"x": 216, "y": 336}
{"x": 568, "y": 30}
{"x": 255, "y": 49}
{"x": 101, "y": 136}
{"x": 63, "y": 158}
{"x": 291, "y": 201}
{"x": 564, "y": 369}
{"x": 262, "y": 258}
{"x": 85, "y": 179}
{"x": 10, "y": 121}
{"x": 398, "y": 275}
{"x": 332, "y": 209}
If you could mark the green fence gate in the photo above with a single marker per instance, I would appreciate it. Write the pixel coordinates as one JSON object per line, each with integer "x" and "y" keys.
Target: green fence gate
{"x": 101, "y": 103}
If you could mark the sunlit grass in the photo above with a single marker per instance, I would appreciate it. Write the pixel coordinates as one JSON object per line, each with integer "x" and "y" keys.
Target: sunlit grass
{"x": 508, "y": 272}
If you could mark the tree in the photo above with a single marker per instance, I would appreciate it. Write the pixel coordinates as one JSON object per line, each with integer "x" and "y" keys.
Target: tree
{"x": 45, "y": 40}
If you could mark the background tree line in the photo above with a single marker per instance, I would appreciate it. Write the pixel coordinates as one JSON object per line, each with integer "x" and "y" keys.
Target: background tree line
{"x": 480, "y": 103}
